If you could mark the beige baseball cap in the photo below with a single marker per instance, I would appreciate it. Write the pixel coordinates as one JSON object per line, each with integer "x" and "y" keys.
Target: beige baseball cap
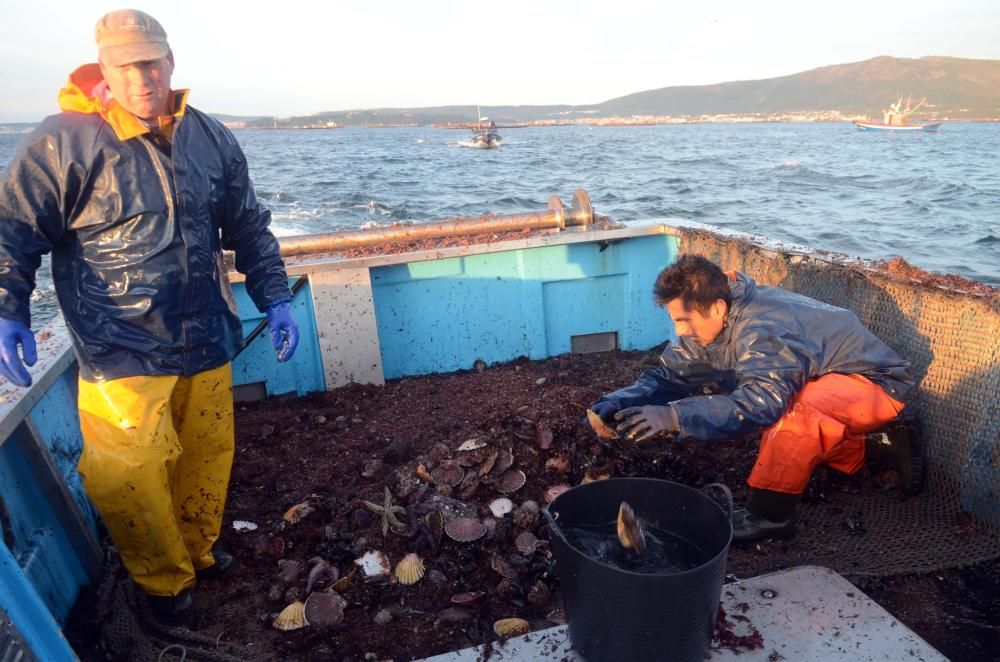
{"x": 129, "y": 35}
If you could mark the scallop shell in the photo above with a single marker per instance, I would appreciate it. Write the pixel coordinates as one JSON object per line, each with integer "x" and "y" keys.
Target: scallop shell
{"x": 544, "y": 437}
{"x": 471, "y": 445}
{"x": 505, "y": 460}
{"x": 410, "y": 569}
{"x": 344, "y": 582}
{"x": 592, "y": 477}
{"x": 298, "y": 512}
{"x": 465, "y": 529}
{"x": 488, "y": 463}
{"x": 559, "y": 464}
{"x": 467, "y": 598}
{"x": 423, "y": 475}
{"x": 290, "y": 571}
{"x": 324, "y": 609}
{"x": 374, "y": 563}
{"x": 292, "y": 617}
{"x": 555, "y": 491}
{"x": 321, "y": 572}
{"x": 243, "y": 525}
{"x": 511, "y": 627}
{"x": 526, "y": 543}
{"x": 502, "y": 506}
{"x": 511, "y": 481}
{"x": 448, "y": 473}
{"x": 600, "y": 427}
{"x": 630, "y": 533}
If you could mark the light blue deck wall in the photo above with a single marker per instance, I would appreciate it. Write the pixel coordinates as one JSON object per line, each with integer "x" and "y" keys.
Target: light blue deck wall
{"x": 41, "y": 572}
{"x": 441, "y": 315}
{"x": 303, "y": 373}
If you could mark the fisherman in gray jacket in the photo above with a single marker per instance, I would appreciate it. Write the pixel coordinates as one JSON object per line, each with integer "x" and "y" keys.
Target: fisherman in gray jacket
{"x": 752, "y": 358}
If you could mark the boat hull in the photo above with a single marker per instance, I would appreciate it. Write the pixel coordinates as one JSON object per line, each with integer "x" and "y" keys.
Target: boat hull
{"x": 934, "y": 126}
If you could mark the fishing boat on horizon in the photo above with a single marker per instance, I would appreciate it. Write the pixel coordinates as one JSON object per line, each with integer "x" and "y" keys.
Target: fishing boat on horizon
{"x": 484, "y": 133}
{"x": 897, "y": 118}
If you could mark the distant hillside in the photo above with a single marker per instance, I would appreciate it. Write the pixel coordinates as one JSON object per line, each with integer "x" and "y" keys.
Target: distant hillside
{"x": 954, "y": 87}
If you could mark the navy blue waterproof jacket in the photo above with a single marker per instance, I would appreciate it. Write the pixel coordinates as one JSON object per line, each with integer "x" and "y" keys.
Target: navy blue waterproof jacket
{"x": 773, "y": 343}
{"x": 136, "y": 236}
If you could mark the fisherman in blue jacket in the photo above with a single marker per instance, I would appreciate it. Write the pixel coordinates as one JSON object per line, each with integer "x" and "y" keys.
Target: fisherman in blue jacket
{"x": 136, "y": 194}
{"x": 752, "y": 358}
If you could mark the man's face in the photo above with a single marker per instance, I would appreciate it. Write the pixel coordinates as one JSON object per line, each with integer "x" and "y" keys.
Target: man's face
{"x": 690, "y": 323}
{"x": 143, "y": 88}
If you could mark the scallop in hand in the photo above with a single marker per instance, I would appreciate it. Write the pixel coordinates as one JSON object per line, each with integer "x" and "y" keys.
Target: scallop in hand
{"x": 630, "y": 533}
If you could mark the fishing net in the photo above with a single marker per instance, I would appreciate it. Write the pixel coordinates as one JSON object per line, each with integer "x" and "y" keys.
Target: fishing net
{"x": 129, "y": 631}
{"x": 952, "y": 340}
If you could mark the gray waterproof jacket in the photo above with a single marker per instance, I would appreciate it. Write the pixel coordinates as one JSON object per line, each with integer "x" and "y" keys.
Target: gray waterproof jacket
{"x": 773, "y": 343}
{"x": 136, "y": 235}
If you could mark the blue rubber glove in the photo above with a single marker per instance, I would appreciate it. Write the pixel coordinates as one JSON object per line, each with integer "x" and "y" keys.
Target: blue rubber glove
{"x": 284, "y": 330}
{"x": 12, "y": 334}
{"x": 606, "y": 410}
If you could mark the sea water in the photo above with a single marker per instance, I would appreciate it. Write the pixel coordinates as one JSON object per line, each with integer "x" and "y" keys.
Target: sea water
{"x": 665, "y": 552}
{"x": 932, "y": 198}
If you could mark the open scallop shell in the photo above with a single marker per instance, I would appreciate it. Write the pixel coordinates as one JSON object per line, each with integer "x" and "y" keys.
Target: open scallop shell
{"x": 374, "y": 563}
{"x": 465, "y": 529}
{"x": 502, "y": 506}
{"x": 511, "y": 627}
{"x": 410, "y": 569}
{"x": 600, "y": 427}
{"x": 324, "y": 609}
{"x": 298, "y": 512}
{"x": 471, "y": 445}
{"x": 511, "y": 481}
{"x": 292, "y": 617}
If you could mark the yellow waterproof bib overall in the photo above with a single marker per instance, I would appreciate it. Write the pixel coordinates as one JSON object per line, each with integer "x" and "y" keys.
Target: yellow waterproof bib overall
{"x": 157, "y": 452}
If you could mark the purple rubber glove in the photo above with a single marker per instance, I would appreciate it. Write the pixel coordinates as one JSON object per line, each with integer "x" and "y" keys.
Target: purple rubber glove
{"x": 12, "y": 334}
{"x": 284, "y": 330}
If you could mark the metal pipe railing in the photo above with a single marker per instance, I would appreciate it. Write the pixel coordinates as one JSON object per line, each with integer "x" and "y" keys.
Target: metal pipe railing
{"x": 555, "y": 216}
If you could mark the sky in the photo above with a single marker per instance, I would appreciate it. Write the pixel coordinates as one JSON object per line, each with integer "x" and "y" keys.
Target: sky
{"x": 290, "y": 57}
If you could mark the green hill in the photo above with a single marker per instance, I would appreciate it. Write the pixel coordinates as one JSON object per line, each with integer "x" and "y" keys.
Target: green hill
{"x": 953, "y": 87}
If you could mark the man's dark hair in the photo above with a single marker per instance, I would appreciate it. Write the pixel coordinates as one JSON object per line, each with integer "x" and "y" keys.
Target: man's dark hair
{"x": 697, "y": 282}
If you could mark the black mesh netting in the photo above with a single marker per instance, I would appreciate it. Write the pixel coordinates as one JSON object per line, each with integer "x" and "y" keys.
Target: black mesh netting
{"x": 952, "y": 339}
{"x": 129, "y": 632}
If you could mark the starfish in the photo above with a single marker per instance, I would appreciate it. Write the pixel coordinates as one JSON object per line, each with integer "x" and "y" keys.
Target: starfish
{"x": 387, "y": 511}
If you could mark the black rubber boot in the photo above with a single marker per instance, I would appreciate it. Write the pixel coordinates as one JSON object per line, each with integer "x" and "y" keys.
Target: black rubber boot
{"x": 223, "y": 568}
{"x": 768, "y": 515}
{"x": 901, "y": 443}
{"x": 175, "y": 611}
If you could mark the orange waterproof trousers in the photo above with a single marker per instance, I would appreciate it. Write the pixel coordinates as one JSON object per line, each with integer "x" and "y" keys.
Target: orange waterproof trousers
{"x": 157, "y": 453}
{"x": 826, "y": 424}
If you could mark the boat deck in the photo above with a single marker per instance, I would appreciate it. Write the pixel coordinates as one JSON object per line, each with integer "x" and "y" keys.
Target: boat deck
{"x": 804, "y": 613}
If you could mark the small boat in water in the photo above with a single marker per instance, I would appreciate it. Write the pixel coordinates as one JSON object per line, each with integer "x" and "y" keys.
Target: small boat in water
{"x": 897, "y": 118}
{"x": 485, "y": 134}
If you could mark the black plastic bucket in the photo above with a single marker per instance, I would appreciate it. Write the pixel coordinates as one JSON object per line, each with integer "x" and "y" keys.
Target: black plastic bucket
{"x": 619, "y": 615}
